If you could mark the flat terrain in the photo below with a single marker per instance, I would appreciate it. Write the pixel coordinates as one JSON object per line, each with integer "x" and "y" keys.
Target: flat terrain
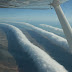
{"x": 7, "y": 62}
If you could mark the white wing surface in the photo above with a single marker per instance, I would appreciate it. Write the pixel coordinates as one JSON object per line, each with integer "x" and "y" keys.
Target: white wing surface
{"x": 27, "y": 4}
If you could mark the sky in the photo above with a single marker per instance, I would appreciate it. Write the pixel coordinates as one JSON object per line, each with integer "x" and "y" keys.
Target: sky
{"x": 11, "y": 14}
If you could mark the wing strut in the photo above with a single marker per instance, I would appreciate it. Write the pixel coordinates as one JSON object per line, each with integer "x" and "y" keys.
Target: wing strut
{"x": 64, "y": 22}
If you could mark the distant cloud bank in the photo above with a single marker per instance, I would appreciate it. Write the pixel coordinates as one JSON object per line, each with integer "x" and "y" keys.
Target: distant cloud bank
{"x": 60, "y": 41}
{"x": 55, "y": 30}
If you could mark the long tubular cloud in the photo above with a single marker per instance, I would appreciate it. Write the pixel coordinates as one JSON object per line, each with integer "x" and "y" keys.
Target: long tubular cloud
{"x": 44, "y": 62}
{"x": 52, "y": 29}
{"x": 51, "y": 36}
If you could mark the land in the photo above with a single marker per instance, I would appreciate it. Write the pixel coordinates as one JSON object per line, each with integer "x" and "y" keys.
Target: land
{"x": 7, "y": 62}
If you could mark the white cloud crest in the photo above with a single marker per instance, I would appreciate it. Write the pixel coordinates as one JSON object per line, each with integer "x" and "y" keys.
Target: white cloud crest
{"x": 60, "y": 41}
{"x": 44, "y": 62}
{"x": 52, "y": 29}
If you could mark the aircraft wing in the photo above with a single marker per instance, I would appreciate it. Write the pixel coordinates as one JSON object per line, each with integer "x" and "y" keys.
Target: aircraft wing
{"x": 27, "y": 4}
